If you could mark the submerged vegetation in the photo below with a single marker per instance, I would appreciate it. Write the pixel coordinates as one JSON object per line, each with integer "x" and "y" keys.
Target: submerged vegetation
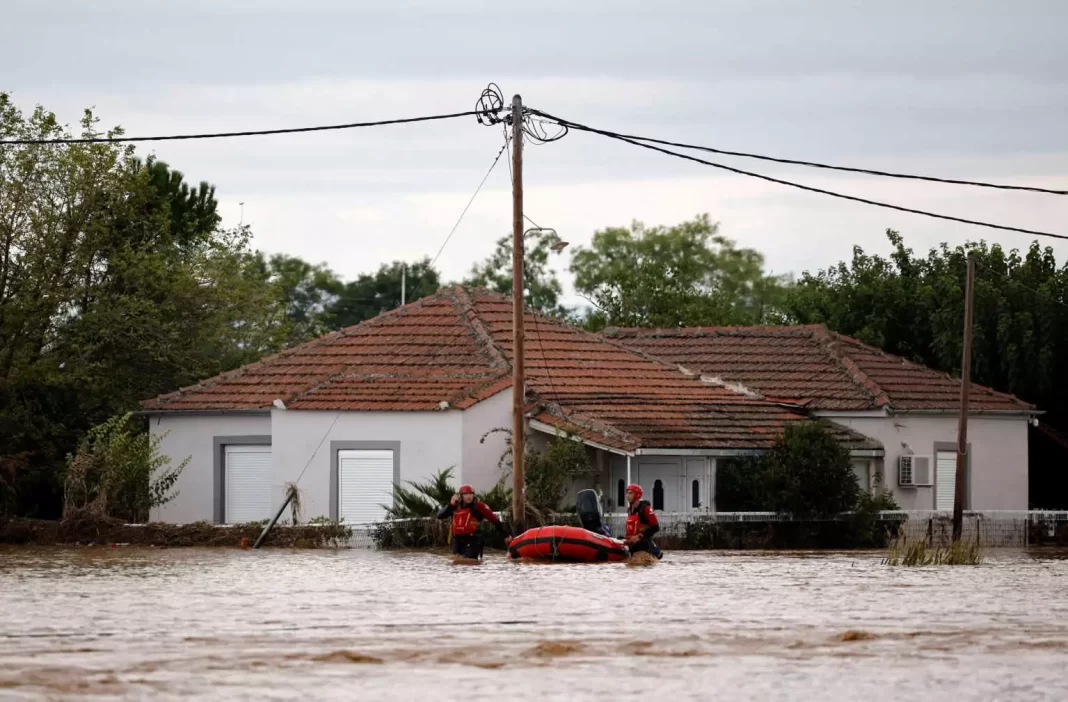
{"x": 919, "y": 552}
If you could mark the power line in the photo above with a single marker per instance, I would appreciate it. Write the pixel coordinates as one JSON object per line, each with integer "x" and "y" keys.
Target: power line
{"x": 512, "y": 179}
{"x": 815, "y": 164}
{"x": 809, "y": 188}
{"x": 262, "y": 132}
{"x": 461, "y": 218}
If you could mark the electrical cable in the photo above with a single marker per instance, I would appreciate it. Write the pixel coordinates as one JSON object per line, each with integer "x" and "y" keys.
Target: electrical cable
{"x": 263, "y": 132}
{"x": 1018, "y": 283}
{"x": 461, "y": 218}
{"x": 815, "y": 164}
{"x": 809, "y": 188}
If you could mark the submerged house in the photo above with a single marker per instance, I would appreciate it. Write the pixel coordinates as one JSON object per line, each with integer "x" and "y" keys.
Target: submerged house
{"x": 421, "y": 388}
{"x": 911, "y": 410}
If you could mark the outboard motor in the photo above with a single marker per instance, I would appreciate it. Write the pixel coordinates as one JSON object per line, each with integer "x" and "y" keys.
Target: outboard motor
{"x": 590, "y": 514}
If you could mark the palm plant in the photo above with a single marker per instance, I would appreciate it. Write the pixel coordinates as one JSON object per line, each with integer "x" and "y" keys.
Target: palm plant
{"x": 424, "y": 499}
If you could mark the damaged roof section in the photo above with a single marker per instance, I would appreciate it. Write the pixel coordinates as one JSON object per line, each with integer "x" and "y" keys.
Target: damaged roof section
{"x": 811, "y": 366}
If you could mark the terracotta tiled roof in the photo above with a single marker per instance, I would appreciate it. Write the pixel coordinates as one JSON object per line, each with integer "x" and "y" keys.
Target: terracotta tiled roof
{"x": 412, "y": 358}
{"x": 455, "y": 347}
{"x": 811, "y": 366}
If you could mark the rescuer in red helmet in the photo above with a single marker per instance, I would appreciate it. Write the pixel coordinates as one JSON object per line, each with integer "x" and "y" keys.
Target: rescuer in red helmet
{"x": 467, "y": 514}
{"x": 641, "y": 523}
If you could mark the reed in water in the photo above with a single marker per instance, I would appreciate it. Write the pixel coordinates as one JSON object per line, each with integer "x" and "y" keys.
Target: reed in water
{"x": 919, "y": 553}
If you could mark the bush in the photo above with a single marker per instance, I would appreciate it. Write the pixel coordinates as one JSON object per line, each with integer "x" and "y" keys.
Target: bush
{"x": 809, "y": 473}
{"x": 118, "y": 473}
{"x": 548, "y": 471}
{"x": 742, "y": 485}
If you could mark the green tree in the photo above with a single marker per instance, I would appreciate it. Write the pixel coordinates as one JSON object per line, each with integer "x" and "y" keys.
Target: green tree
{"x": 373, "y": 293}
{"x": 115, "y": 285}
{"x": 302, "y": 291}
{"x": 541, "y": 287}
{"x": 685, "y": 275}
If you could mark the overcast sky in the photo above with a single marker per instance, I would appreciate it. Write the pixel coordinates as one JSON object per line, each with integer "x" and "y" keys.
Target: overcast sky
{"x": 975, "y": 90}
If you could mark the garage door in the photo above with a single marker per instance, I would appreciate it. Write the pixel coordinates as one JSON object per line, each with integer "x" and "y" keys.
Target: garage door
{"x": 248, "y": 484}
{"x": 365, "y": 485}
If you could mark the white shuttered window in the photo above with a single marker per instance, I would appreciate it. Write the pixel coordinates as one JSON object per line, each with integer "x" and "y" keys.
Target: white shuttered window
{"x": 365, "y": 484}
{"x": 248, "y": 484}
{"x": 946, "y": 479}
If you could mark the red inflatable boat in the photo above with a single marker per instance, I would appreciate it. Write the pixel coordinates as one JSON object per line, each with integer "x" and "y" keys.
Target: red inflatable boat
{"x": 567, "y": 543}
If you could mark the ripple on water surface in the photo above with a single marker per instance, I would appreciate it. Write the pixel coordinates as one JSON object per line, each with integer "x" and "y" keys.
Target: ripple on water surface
{"x": 236, "y": 625}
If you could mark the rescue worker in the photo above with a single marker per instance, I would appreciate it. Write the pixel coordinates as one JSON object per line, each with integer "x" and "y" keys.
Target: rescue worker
{"x": 467, "y": 514}
{"x": 641, "y": 523}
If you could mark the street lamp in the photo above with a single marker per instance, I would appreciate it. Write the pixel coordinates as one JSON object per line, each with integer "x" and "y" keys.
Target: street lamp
{"x": 558, "y": 244}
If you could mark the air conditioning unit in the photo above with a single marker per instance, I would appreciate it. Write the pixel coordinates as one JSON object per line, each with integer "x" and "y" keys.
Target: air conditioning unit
{"x": 915, "y": 471}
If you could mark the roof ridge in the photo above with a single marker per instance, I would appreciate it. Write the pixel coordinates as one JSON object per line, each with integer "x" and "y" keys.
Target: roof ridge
{"x": 700, "y": 331}
{"x": 469, "y": 316}
{"x": 826, "y": 338}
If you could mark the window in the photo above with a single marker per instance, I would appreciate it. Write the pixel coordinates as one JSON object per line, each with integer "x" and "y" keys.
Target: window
{"x": 621, "y": 493}
{"x": 695, "y": 499}
{"x": 860, "y": 469}
{"x": 658, "y": 495}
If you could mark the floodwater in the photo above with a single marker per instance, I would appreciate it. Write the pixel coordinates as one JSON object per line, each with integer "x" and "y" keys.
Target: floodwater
{"x": 344, "y": 625}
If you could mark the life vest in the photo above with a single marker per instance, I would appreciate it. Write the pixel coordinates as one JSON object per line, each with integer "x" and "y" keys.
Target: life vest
{"x": 636, "y": 519}
{"x": 465, "y": 519}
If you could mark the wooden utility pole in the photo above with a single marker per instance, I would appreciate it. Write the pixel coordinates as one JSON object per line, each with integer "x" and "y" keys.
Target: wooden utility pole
{"x": 519, "y": 502}
{"x": 965, "y": 386}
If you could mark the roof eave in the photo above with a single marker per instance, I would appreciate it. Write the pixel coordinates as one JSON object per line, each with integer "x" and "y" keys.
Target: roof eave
{"x": 192, "y": 412}
{"x": 1022, "y": 412}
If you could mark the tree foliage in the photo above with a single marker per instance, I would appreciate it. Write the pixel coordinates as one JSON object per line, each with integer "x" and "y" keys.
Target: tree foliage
{"x": 685, "y": 275}
{"x": 914, "y": 307}
{"x": 373, "y": 293}
{"x": 541, "y": 287}
{"x": 116, "y": 284}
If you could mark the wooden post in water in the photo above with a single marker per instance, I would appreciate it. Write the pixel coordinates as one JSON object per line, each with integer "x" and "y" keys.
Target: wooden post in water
{"x": 277, "y": 515}
{"x": 965, "y": 386}
{"x": 519, "y": 503}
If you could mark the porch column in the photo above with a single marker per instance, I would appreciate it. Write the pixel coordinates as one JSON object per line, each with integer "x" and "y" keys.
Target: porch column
{"x": 628, "y": 470}
{"x": 712, "y": 484}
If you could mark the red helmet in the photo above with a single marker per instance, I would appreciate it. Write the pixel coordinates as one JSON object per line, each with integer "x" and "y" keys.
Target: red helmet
{"x": 464, "y": 489}
{"x": 636, "y": 489}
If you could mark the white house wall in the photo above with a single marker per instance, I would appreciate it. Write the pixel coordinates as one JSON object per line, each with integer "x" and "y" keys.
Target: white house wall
{"x": 429, "y": 442}
{"x": 194, "y": 436}
{"x": 479, "y": 467}
{"x": 998, "y": 472}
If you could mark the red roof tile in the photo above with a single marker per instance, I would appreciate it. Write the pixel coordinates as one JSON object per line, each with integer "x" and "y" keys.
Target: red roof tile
{"x": 811, "y": 366}
{"x": 455, "y": 347}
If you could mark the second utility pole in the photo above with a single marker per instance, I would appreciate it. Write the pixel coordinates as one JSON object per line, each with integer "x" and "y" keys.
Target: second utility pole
{"x": 965, "y": 389}
{"x": 519, "y": 503}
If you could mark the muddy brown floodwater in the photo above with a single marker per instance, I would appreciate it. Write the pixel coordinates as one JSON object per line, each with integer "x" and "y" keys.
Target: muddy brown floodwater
{"x": 345, "y": 625}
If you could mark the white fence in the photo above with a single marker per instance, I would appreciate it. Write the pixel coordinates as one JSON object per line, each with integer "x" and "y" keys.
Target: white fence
{"x": 993, "y": 528}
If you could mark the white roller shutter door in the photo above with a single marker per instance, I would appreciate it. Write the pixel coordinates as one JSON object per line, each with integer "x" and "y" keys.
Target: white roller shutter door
{"x": 248, "y": 484}
{"x": 365, "y": 484}
{"x": 946, "y": 479}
